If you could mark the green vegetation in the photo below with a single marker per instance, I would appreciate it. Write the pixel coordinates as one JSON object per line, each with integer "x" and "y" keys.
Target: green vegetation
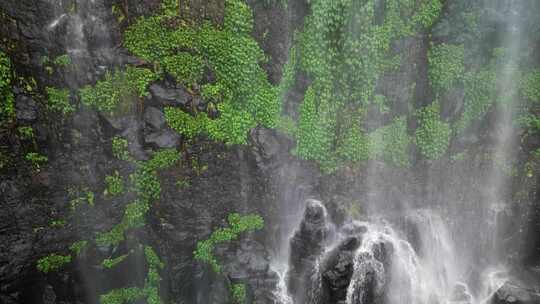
{"x": 120, "y": 148}
{"x": 432, "y": 134}
{"x": 479, "y": 96}
{"x": 237, "y": 225}
{"x": 530, "y": 86}
{"x": 26, "y": 132}
{"x": 446, "y": 66}
{"x": 345, "y": 68}
{"x": 52, "y": 262}
{"x": 80, "y": 197}
{"x": 391, "y": 142}
{"x": 7, "y": 101}
{"x": 58, "y": 101}
{"x": 110, "y": 263}
{"x": 78, "y": 247}
{"x": 37, "y": 160}
{"x": 62, "y": 60}
{"x": 116, "y": 90}
{"x": 57, "y": 223}
{"x": 114, "y": 184}
{"x": 241, "y": 89}
{"x": 149, "y": 291}
{"x": 146, "y": 185}
{"x": 238, "y": 292}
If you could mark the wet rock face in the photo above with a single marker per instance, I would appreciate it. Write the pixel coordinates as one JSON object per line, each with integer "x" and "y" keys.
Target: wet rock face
{"x": 338, "y": 270}
{"x": 511, "y": 293}
{"x": 307, "y": 245}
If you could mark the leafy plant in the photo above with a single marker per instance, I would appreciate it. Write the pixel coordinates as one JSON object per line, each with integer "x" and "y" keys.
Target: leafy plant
{"x": 432, "y": 135}
{"x": 7, "y": 101}
{"x": 37, "y": 160}
{"x": 26, "y": 132}
{"x": 120, "y": 148}
{"x": 52, "y": 262}
{"x": 110, "y": 263}
{"x": 237, "y": 225}
{"x": 446, "y": 66}
{"x": 59, "y": 100}
{"x": 78, "y": 247}
{"x": 117, "y": 88}
{"x": 114, "y": 184}
{"x": 62, "y": 60}
{"x": 238, "y": 292}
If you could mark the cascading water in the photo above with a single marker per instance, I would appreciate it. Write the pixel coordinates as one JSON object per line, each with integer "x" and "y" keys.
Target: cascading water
{"x": 420, "y": 253}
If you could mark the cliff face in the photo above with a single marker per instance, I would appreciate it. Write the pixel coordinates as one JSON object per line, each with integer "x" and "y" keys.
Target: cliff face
{"x": 47, "y": 206}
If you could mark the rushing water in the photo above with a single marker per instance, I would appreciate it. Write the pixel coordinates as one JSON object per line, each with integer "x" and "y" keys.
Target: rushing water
{"x": 445, "y": 259}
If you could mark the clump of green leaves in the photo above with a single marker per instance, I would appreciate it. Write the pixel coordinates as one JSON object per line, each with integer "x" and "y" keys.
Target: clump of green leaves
{"x": 58, "y": 100}
{"x": 120, "y": 148}
{"x": 62, "y": 60}
{"x": 345, "y": 67}
{"x": 117, "y": 88}
{"x": 446, "y": 66}
{"x": 146, "y": 185}
{"x": 110, "y": 263}
{"x": 150, "y": 291}
{"x": 26, "y": 132}
{"x": 52, "y": 262}
{"x": 114, "y": 184}
{"x": 37, "y": 160}
{"x": 184, "y": 123}
{"x": 530, "y": 86}
{"x": 7, "y": 101}
{"x": 78, "y": 247}
{"x": 432, "y": 134}
{"x": 238, "y": 292}
{"x": 57, "y": 223}
{"x": 80, "y": 197}
{"x": 391, "y": 142}
{"x": 241, "y": 89}
{"x": 237, "y": 225}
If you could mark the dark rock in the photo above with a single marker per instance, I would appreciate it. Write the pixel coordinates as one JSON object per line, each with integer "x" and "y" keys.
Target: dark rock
{"x": 27, "y": 108}
{"x": 307, "y": 245}
{"x": 154, "y": 118}
{"x": 169, "y": 96}
{"x": 49, "y": 296}
{"x": 163, "y": 139}
{"x": 511, "y": 292}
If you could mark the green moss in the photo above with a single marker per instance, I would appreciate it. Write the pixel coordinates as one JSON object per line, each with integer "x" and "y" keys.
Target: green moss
{"x": 432, "y": 134}
{"x": 237, "y": 225}
{"x": 57, "y": 223}
{"x": 122, "y": 295}
{"x": 52, "y": 262}
{"x": 446, "y": 66}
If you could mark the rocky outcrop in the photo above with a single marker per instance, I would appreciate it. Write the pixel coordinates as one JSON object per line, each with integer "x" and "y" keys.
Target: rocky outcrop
{"x": 512, "y": 293}
{"x": 307, "y": 244}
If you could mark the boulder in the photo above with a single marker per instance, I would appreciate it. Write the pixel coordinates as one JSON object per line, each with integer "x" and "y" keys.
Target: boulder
{"x": 512, "y": 293}
{"x": 166, "y": 95}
